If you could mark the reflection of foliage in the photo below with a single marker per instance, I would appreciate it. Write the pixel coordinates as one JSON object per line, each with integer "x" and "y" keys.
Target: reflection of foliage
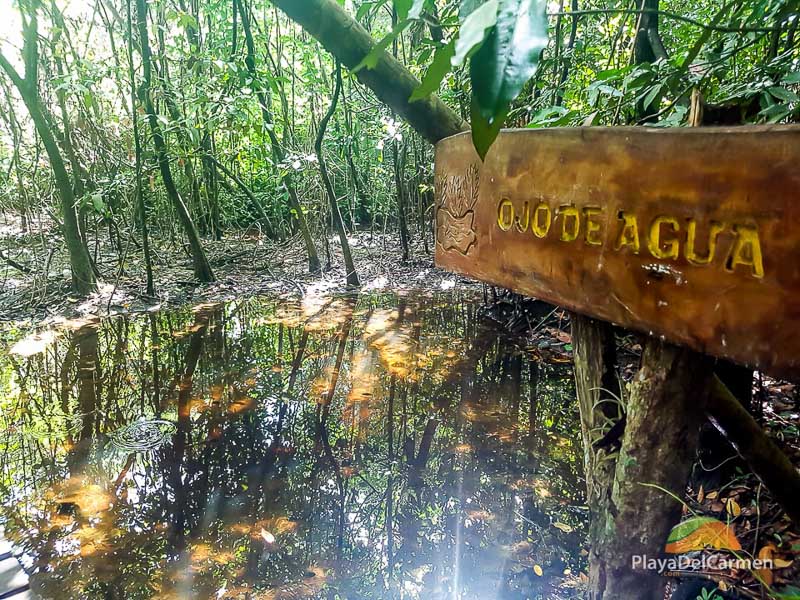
{"x": 336, "y": 445}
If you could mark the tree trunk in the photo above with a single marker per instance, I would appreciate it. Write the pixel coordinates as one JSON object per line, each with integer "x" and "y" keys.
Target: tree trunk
{"x": 83, "y": 278}
{"x": 141, "y": 209}
{"x": 392, "y": 83}
{"x": 665, "y": 408}
{"x": 600, "y": 405}
{"x": 277, "y": 150}
{"x": 202, "y": 269}
{"x": 336, "y": 215}
{"x": 401, "y": 199}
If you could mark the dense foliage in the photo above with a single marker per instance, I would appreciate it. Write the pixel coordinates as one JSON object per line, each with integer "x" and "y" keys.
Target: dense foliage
{"x": 219, "y": 111}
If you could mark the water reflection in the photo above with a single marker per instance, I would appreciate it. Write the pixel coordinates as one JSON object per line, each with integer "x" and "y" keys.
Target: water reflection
{"x": 339, "y": 447}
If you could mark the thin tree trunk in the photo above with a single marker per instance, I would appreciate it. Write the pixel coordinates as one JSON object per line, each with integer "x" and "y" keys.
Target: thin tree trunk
{"x": 336, "y": 215}
{"x": 573, "y": 34}
{"x": 401, "y": 200}
{"x": 202, "y": 269}
{"x": 277, "y": 149}
{"x": 83, "y": 277}
{"x": 141, "y": 209}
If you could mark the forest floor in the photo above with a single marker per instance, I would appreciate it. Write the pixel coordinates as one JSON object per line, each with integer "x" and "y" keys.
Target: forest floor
{"x": 244, "y": 265}
{"x": 248, "y": 265}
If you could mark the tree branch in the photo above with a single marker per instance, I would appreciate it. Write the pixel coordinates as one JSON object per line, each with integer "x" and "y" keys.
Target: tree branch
{"x": 664, "y": 13}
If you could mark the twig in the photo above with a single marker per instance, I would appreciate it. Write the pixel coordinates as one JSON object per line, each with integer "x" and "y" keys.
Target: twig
{"x": 12, "y": 263}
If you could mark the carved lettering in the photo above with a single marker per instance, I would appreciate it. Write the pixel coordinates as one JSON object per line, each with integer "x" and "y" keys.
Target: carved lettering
{"x": 629, "y": 233}
{"x": 570, "y": 223}
{"x": 542, "y": 219}
{"x": 592, "y": 227}
{"x": 505, "y": 214}
{"x": 666, "y": 237}
{"x": 746, "y": 250}
{"x": 523, "y": 227}
{"x": 659, "y": 247}
{"x": 691, "y": 242}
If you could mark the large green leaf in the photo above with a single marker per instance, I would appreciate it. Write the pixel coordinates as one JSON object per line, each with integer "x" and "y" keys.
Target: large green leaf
{"x": 474, "y": 29}
{"x": 510, "y": 55}
{"x": 439, "y": 68}
{"x": 485, "y": 131}
{"x": 503, "y": 63}
{"x": 402, "y": 7}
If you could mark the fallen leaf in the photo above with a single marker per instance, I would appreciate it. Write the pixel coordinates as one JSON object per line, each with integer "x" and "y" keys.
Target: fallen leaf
{"x": 538, "y": 570}
{"x": 733, "y": 508}
{"x": 766, "y": 553}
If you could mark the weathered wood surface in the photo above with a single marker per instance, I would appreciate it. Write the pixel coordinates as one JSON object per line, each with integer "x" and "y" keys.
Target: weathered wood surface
{"x": 689, "y": 234}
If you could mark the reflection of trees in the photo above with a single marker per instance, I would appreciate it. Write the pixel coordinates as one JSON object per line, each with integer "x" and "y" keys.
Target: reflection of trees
{"x": 360, "y": 445}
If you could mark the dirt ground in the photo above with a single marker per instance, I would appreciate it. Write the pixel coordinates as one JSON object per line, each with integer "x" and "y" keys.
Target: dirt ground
{"x": 244, "y": 264}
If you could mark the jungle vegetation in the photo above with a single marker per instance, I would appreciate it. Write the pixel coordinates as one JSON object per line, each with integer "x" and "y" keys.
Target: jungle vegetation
{"x": 129, "y": 126}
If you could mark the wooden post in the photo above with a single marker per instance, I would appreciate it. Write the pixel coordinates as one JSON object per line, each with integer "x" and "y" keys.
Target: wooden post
{"x": 631, "y": 492}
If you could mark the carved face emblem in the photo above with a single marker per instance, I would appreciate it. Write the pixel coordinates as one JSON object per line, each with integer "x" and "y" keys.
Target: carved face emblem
{"x": 455, "y": 213}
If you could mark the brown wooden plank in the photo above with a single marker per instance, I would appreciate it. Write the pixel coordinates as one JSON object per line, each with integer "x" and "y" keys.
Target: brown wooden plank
{"x": 615, "y": 223}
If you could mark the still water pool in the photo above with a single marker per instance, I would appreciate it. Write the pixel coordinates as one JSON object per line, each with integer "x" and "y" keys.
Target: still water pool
{"x": 341, "y": 447}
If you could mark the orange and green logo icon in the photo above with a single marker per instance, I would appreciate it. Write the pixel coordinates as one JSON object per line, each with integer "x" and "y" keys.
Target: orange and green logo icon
{"x": 699, "y": 533}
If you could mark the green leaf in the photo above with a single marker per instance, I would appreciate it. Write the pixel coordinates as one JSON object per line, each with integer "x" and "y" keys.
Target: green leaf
{"x": 505, "y": 62}
{"x": 474, "y": 29}
{"x": 510, "y": 55}
{"x": 366, "y": 7}
{"x": 485, "y": 131}
{"x": 438, "y": 70}
{"x": 781, "y": 93}
{"x": 775, "y": 113}
{"x": 688, "y": 527}
{"x": 98, "y": 204}
{"x": 792, "y": 78}
{"x": 651, "y": 95}
{"x": 370, "y": 61}
{"x": 402, "y": 7}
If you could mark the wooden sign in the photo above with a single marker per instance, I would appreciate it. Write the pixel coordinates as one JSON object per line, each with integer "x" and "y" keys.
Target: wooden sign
{"x": 689, "y": 234}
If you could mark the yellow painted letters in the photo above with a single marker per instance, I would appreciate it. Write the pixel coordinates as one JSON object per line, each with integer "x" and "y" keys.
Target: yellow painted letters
{"x": 569, "y": 215}
{"x": 629, "y": 233}
{"x": 505, "y": 214}
{"x": 670, "y": 248}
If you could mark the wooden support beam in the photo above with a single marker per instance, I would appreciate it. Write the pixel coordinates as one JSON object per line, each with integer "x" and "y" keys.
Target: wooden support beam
{"x": 763, "y": 456}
